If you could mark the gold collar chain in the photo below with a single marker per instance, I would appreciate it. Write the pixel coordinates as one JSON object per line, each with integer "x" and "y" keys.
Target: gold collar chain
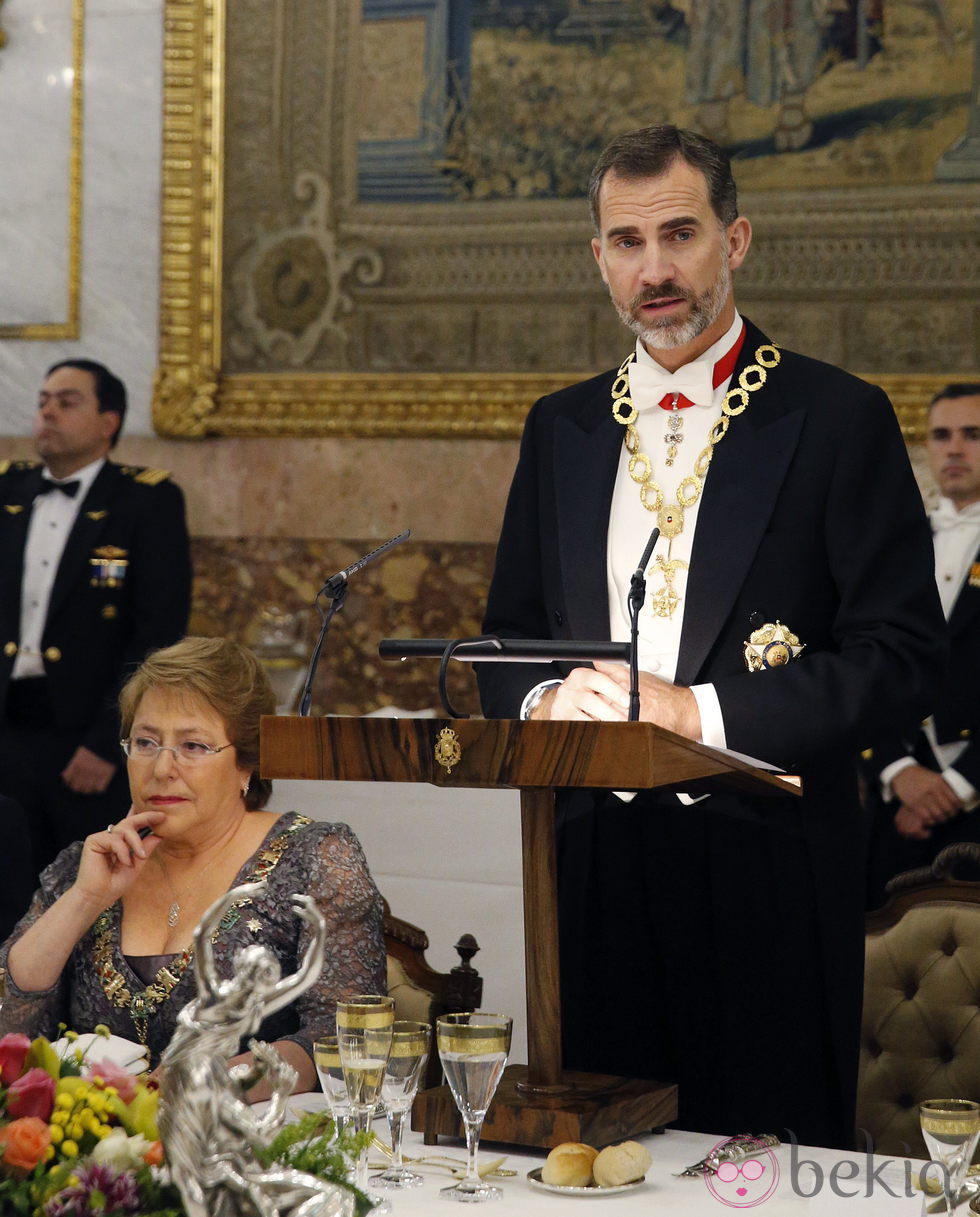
{"x": 670, "y": 517}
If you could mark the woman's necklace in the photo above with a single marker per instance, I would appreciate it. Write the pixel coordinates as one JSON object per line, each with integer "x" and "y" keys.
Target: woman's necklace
{"x": 173, "y": 913}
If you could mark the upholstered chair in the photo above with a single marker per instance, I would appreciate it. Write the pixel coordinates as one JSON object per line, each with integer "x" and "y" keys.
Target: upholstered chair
{"x": 920, "y": 1035}
{"x": 419, "y": 991}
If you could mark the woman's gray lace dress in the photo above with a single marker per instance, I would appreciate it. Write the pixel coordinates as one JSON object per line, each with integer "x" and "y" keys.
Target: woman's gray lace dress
{"x": 99, "y": 984}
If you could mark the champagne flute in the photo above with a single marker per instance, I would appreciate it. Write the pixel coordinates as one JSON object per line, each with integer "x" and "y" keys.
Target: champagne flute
{"x": 330, "y": 1071}
{"x": 951, "y": 1128}
{"x": 409, "y": 1052}
{"x": 364, "y": 1026}
{"x": 473, "y": 1049}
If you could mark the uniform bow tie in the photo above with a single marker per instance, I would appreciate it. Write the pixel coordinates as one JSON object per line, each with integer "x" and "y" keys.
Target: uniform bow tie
{"x": 68, "y": 488}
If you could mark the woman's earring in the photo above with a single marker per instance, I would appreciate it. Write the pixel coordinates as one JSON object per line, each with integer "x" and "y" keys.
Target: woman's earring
{"x": 246, "y": 787}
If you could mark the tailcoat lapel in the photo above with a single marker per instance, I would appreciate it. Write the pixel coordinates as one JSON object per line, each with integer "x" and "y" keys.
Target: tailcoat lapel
{"x": 966, "y": 610}
{"x": 740, "y": 493}
{"x": 586, "y": 459}
{"x": 93, "y": 516}
{"x": 15, "y": 516}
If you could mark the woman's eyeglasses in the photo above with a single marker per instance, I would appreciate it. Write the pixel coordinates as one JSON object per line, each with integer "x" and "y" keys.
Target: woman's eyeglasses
{"x": 140, "y": 748}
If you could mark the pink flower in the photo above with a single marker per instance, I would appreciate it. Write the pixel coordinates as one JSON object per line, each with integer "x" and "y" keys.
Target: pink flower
{"x": 108, "y": 1073}
{"x": 13, "y": 1052}
{"x": 32, "y": 1095}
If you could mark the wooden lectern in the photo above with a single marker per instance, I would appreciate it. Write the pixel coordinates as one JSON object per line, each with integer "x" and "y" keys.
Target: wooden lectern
{"x": 538, "y": 1104}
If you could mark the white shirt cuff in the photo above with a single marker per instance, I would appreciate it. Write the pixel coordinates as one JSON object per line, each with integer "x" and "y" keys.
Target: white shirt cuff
{"x": 534, "y": 696}
{"x": 891, "y": 772}
{"x": 964, "y": 790}
{"x": 712, "y": 723}
{"x": 712, "y": 728}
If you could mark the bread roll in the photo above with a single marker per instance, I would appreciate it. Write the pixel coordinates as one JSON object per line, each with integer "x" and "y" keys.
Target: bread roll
{"x": 569, "y": 1165}
{"x": 618, "y": 1164}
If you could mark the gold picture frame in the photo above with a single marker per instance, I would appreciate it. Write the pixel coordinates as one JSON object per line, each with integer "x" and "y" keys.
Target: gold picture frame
{"x": 195, "y": 396}
{"x": 69, "y": 328}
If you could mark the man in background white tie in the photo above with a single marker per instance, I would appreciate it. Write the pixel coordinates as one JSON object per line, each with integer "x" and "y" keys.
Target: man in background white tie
{"x": 929, "y": 777}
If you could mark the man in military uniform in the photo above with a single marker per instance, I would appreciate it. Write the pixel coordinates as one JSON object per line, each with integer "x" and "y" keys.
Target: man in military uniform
{"x": 97, "y": 574}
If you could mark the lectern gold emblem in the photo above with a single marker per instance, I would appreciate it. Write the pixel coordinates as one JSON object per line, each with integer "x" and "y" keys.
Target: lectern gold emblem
{"x": 448, "y": 752}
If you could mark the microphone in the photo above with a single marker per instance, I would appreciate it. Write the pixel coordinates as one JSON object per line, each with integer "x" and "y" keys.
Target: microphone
{"x": 337, "y": 581}
{"x": 335, "y": 589}
{"x": 638, "y": 591}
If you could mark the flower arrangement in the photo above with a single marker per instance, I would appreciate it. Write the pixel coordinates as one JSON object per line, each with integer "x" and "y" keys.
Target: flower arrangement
{"x": 79, "y": 1137}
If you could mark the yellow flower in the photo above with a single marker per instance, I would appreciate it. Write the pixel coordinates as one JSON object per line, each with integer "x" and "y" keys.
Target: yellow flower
{"x": 69, "y": 1149}
{"x": 57, "y": 1134}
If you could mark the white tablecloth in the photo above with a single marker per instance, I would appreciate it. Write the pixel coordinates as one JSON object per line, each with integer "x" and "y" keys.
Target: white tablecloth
{"x": 811, "y": 1183}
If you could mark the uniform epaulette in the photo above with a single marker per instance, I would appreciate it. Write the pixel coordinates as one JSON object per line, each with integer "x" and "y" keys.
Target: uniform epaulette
{"x": 148, "y": 477}
{"x": 9, "y": 466}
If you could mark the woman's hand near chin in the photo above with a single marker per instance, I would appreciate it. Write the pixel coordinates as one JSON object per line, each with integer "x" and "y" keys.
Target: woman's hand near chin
{"x": 109, "y": 863}
{"x": 112, "y": 859}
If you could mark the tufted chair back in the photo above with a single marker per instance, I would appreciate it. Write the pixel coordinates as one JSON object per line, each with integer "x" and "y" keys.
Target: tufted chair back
{"x": 920, "y": 1033}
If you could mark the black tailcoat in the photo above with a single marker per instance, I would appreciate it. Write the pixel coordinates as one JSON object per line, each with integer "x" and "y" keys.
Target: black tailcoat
{"x": 737, "y": 922}
{"x": 956, "y": 717}
{"x": 98, "y": 627}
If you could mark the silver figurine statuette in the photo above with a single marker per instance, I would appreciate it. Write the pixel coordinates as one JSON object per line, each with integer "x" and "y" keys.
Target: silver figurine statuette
{"x": 208, "y": 1129}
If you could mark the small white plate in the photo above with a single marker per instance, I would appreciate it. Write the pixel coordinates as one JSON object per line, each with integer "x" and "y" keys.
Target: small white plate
{"x": 535, "y": 1180}
{"x": 122, "y": 1052}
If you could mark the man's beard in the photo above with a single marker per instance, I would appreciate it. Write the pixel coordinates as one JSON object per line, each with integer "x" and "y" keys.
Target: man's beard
{"x": 666, "y": 334}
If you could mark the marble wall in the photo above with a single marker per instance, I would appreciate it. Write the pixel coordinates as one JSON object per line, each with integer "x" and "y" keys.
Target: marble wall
{"x": 122, "y": 94}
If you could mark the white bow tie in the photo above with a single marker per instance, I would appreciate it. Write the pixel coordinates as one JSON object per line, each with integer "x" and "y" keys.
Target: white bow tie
{"x": 648, "y": 384}
{"x": 946, "y": 517}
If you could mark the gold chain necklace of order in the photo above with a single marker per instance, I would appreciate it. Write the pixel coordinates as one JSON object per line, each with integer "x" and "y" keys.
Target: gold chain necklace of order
{"x": 670, "y": 516}
{"x": 143, "y": 1004}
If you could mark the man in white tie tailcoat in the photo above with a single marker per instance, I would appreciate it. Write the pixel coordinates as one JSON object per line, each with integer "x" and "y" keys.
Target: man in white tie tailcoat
{"x": 925, "y": 780}
{"x": 715, "y": 943}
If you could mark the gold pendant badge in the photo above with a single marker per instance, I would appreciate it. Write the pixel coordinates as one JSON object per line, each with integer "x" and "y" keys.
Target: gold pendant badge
{"x": 448, "y": 752}
{"x": 773, "y": 645}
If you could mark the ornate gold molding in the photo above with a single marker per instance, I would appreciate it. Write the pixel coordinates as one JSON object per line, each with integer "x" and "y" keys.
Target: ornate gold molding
{"x": 69, "y": 328}
{"x": 194, "y": 398}
{"x": 187, "y": 382}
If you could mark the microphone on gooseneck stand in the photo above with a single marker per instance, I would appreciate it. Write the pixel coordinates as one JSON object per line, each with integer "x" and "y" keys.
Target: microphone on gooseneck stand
{"x": 335, "y": 589}
{"x": 638, "y": 591}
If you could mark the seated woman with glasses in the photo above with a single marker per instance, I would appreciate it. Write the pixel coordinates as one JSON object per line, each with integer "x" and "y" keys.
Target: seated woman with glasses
{"x": 108, "y": 937}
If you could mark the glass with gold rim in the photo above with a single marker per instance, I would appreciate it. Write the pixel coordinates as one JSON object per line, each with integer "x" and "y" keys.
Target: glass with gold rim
{"x": 406, "y": 1064}
{"x": 473, "y": 1050}
{"x": 330, "y": 1071}
{"x": 364, "y": 1028}
{"x": 951, "y": 1129}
